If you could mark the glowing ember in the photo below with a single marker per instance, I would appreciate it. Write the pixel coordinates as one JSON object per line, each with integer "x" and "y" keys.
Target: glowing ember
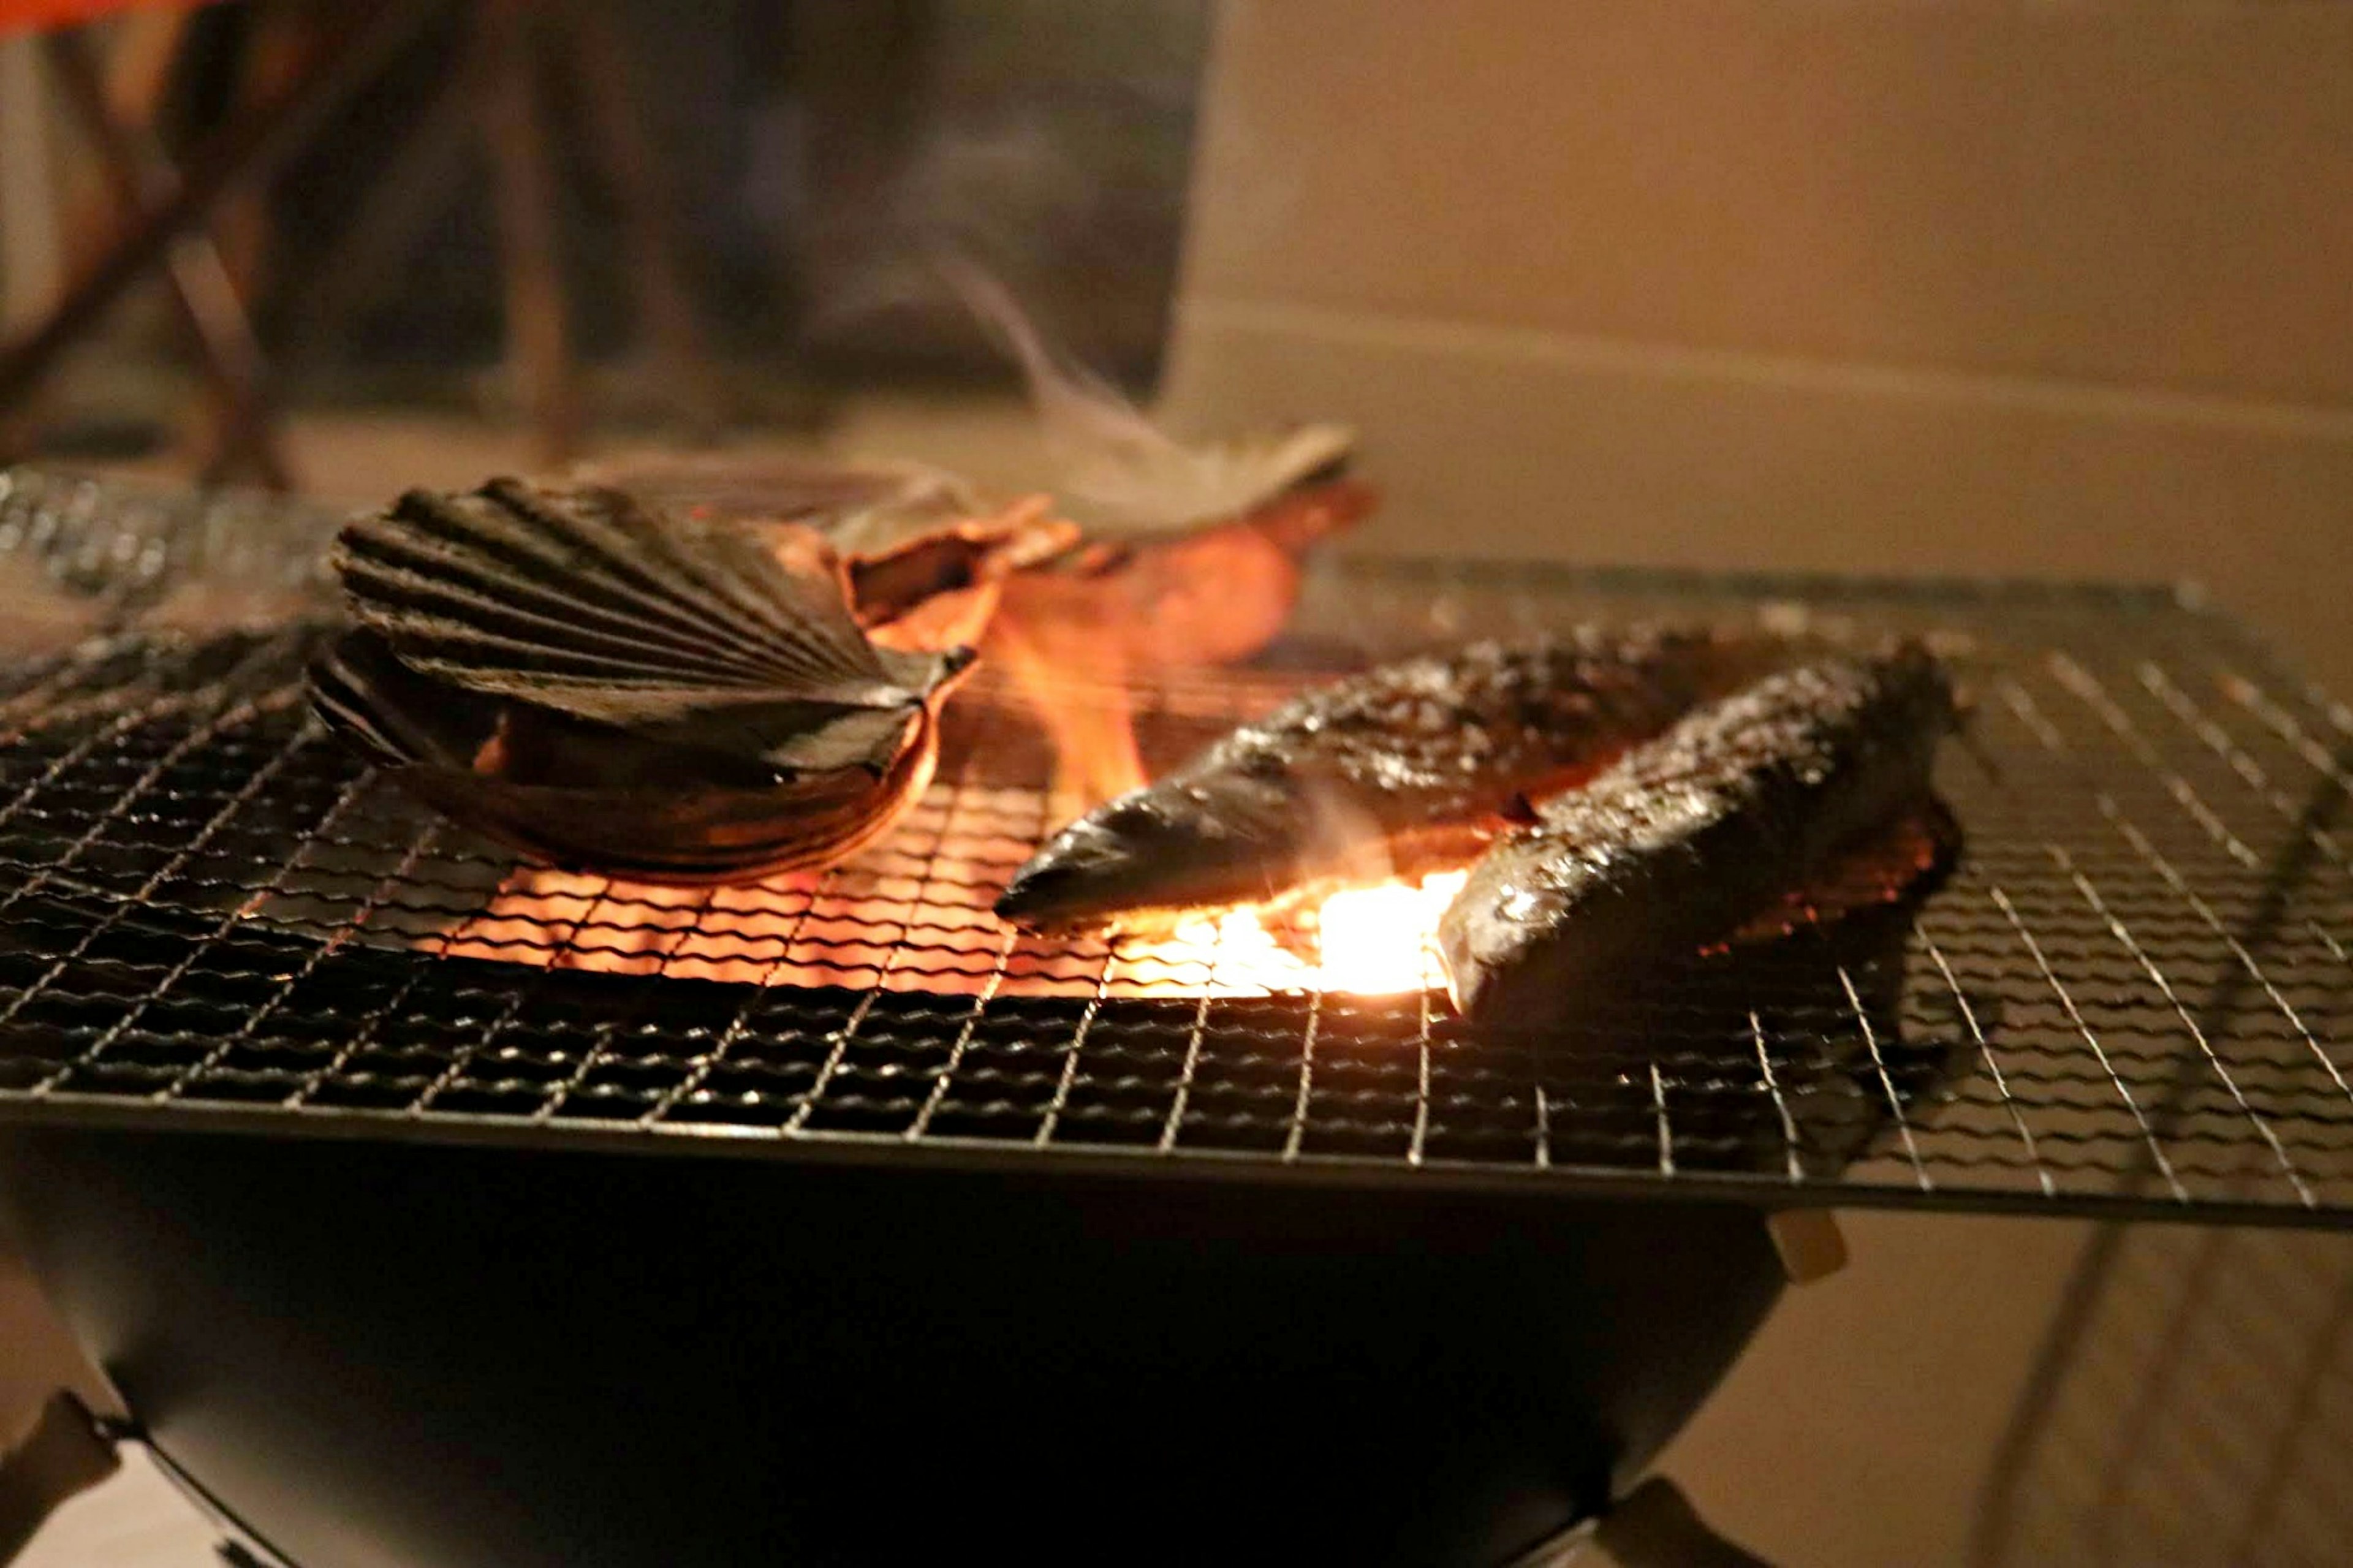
{"x": 1374, "y": 941}
{"x": 1377, "y": 940}
{"x": 1233, "y": 954}
{"x": 842, "y": 929}
{"x": 900, "y": 919}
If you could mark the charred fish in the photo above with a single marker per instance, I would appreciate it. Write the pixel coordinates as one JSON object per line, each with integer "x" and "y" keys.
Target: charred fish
{"x": 1410, "y": 766}
{"x": 1695, "y": 832}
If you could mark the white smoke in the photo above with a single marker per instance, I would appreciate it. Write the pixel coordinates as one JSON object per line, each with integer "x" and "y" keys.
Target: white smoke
{"x": 1114, "y": 466}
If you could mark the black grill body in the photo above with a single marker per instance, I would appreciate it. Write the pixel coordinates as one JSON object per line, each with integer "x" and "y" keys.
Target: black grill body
{"x": 387, "y": 1353}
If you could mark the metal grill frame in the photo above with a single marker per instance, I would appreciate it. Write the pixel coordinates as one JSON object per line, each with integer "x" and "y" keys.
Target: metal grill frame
{"x": 2132, "y": 986}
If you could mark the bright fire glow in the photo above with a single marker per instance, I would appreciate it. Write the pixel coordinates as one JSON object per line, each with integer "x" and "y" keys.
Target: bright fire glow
{"x": 1377, "y": 940}
{"x": 1374, "y": 941}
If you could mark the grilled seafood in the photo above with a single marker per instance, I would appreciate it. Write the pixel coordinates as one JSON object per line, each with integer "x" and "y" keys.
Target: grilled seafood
{"x": 610, "y": 686}
{"x": 1116, "y": 469}
{"x": 1693, "y": 834}
{"x": 1191, "y": 554}
{"x": 1215, "y": 593}
{"x": 1817, "y": 981}
{"x": 918, "y": 552}
{"x": 1193, "y": 547}
{"x": 1403, "y": 768}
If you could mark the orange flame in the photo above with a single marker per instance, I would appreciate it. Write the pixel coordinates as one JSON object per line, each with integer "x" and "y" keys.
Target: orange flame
{"x": 1073, "y": 633}
{"x": 1088, "y": 718}
{"x": 1377, "y": 940}
{"x": 931, "y": 933}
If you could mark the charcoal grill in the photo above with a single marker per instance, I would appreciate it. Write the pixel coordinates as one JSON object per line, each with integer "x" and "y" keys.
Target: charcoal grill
{"x": 316, "y": 1115}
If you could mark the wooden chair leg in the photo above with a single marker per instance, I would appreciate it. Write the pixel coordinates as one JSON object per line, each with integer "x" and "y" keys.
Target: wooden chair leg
{"x": 665, "y": 305}
{"x": 137, "y": 61}
{"x": 282, "y": 38}
{"x": 211, "y": 314}
{"x": 538, "y": 345}
{"x": 425, "y": 173}
{"x": 32, "y": 228}
{"x": 245, "y": 149}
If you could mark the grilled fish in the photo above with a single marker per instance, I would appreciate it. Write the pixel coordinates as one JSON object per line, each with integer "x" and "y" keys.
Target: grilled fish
{"x": 1691, "y": 835}
{"x": 1406, "y": 767}
{"x": 613, "y": 687}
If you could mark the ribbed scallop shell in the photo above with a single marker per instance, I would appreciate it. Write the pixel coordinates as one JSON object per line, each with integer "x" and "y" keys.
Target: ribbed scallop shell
{"x": 901, "y": 538}
{"x": 612, "y": 688}
{"x": 1135, "y": 482}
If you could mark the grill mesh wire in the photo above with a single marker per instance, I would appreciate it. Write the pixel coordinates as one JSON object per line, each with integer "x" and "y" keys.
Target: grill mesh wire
{"x": 2129, "y": 997}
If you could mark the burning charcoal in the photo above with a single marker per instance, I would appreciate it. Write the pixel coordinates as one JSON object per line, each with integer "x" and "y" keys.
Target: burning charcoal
{"x": 609, "y": 687}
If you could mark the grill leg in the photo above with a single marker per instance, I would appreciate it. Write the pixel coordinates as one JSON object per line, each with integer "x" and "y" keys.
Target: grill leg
{"x": 1653, "y": 1526}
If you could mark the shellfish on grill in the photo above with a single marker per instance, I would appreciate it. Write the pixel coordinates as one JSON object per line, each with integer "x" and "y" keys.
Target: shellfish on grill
{"x": 612, "y": 687}
{"x": 1189, "y": 554}
{"x": 919, "y": 551}
{"x": 1186, "y": 554}
{"x": 1193, "y": 549}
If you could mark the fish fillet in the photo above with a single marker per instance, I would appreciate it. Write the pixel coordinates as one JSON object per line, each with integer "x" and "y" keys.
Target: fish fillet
{"x": 1407, "y": 767}
{"x": 1692, "y": 834}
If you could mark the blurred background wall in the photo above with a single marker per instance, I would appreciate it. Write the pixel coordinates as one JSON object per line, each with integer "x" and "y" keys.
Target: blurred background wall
{"x": 1983, "y": 286}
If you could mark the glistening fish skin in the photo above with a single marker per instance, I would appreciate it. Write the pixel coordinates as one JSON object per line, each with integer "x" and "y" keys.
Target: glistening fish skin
{"x": 1405, "y": 767}
{"x": 1695, "y": 832}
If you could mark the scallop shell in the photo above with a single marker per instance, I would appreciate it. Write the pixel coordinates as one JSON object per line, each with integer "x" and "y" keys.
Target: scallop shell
{"x": 899, "y": 536}
{"x": 861, "y": 508}
{"x": 614, "y": 688}
{"x": 1140, "y": 483}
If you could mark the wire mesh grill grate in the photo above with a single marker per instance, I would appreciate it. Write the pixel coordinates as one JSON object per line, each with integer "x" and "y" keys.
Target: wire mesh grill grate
{"x": 2130, "y": 996}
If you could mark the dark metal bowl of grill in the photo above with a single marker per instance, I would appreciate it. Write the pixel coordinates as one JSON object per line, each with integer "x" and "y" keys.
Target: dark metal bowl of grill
{"x": 426, "y": 1213}
{"x": 384, "y": 1353}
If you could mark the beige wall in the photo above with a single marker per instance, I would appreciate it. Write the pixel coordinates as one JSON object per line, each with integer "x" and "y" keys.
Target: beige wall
{"x": 1980, "y": 286}
{"x": 2002, "y": 1393}
{"x": 2012, "y": 286}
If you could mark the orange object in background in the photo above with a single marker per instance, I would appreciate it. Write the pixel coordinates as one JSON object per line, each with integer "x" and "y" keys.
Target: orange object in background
{"x": 22, "y": 16}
